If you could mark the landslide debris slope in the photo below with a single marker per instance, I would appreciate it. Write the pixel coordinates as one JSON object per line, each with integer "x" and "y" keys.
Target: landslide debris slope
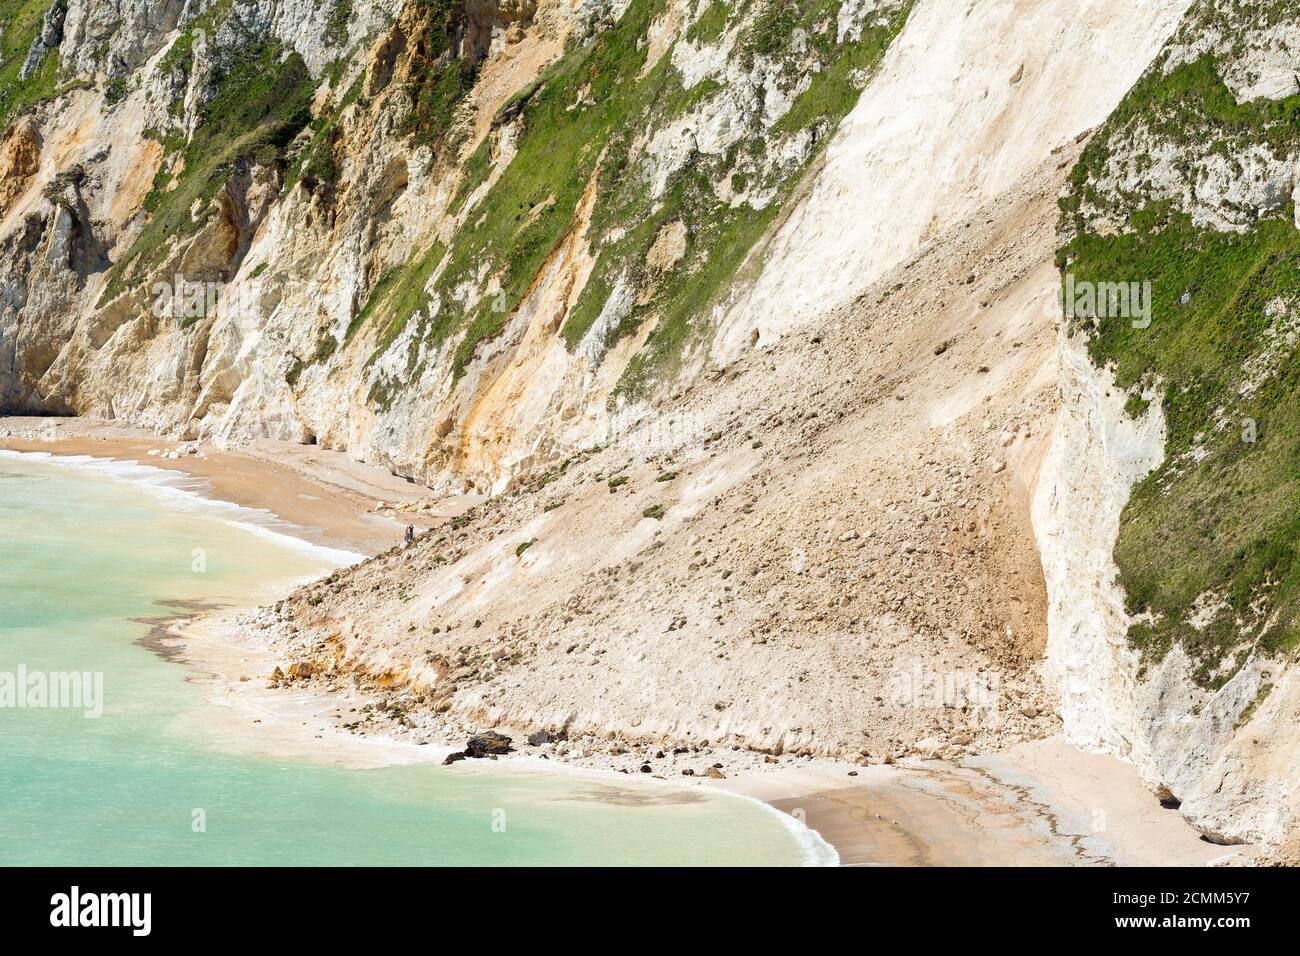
{"x": 821, "y": 541}
{"x": 822, "y": 549}
{"x": 747, "y": 317}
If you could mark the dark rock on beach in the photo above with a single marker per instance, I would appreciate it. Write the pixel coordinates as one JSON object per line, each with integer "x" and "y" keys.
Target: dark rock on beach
{"x": 485, "y": 745}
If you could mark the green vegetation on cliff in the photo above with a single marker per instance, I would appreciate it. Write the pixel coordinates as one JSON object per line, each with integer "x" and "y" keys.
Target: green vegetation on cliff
{"x": 1207, "y": 550}
{"x": 20, "y": 23}
{"x": 260, "y": 104}
{"x": 584, "y": 125}
{"x": 442, "y": 79}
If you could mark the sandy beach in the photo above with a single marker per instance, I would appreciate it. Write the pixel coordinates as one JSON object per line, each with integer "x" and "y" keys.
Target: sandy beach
{"x": 328, "y": 498}
{"x": 1041, "y": 803}
{"x": 1037, "y": 803}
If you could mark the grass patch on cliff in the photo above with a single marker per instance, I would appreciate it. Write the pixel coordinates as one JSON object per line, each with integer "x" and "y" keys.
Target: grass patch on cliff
{"x": 1222, "y": 514}
{"x": 832, "y": 92}
{"x": 581, "y": 124}
{"x": 336, "y": 29}
{"x": 401, "y": 293}
{"x": 1190, "y": 105}
{"x": 716, "y": 247}
{"x": 711, "y": 22}
{"x": 259, "y": 106}
{"x": 441, "y": 79}
{"x": 567, "y": 118}
{"x": 1207, "y": 544}
{"x": 326, "y": 346}
{"x": 21, "y": 21}
{"x": 721, "y": 234}
{"x": 180, "y": 55}
{"x": 317, "y": 162}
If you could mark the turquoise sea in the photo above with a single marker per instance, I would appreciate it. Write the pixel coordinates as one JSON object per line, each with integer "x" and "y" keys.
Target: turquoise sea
{"x": 86, "y": 547}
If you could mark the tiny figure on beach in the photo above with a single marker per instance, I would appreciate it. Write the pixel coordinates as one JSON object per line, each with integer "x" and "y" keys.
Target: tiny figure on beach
{"x": 410, "y": 533}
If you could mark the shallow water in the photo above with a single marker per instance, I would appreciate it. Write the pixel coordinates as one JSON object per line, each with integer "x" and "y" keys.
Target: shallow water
{"x": 87, "y": 547}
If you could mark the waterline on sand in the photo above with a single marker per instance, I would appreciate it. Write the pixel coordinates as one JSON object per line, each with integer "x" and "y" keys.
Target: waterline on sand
{"x": 179, "y": 490}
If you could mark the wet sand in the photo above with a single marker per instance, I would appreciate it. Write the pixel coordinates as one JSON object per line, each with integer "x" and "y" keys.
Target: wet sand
{"x": 1040, "y": 803}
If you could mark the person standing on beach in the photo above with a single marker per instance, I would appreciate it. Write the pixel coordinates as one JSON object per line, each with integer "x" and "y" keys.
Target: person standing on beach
{"x": 410, "y": 533}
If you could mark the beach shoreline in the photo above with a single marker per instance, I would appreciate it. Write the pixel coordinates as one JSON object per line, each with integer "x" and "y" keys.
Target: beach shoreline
{"x": 321, "y": 496}
{"x": 1041, "y": 803}
{"x": 1037, "y": 803}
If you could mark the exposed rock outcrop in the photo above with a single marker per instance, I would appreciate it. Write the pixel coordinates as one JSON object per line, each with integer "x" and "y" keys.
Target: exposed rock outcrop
{"x": 46, "y": 41}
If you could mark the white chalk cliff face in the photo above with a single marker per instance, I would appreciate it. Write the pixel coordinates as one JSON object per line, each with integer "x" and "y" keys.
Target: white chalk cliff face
{"x": 1097, "y": 454}
{"x": 407, "y": 248}
{"x": 961, "y": 109}
{"x": 969, "y": 99}
{"x": 467, "y": 241}
{"x": 1235, "y": 782}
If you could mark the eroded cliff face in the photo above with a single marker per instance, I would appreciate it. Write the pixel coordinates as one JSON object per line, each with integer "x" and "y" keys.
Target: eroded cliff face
{"x": 848, "y": 504}
{"x": 439, "y": 235}
{"x": 969, "y": 100}
{"x": 1226, "y": 754}
{"x": 1097, "y": 454}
